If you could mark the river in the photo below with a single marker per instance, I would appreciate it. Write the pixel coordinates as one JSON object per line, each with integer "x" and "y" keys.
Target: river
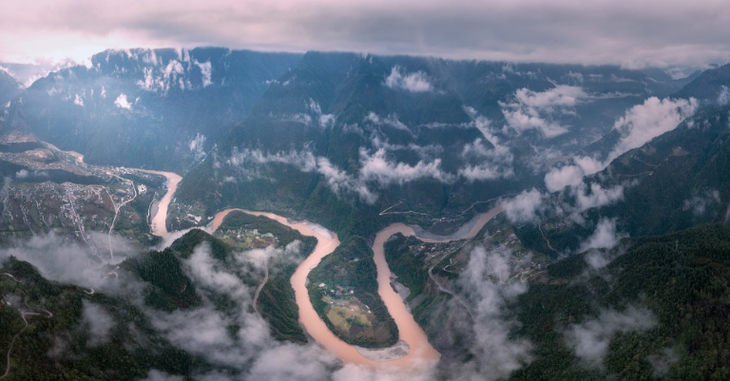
{"x": 420, "y": 354}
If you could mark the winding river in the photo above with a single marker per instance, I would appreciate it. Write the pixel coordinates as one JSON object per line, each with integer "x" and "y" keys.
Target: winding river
{"x": 420, "y": 353}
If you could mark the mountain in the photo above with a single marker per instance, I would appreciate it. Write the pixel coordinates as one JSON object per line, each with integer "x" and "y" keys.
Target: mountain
{"x": 154, "y": 312}
{"x": 9, "y": 88}
{"x": 712, "y": 86}
{"x": 161, "y": 109}
{"x": 677, "y": 180}
{"x": 421, "y": 134}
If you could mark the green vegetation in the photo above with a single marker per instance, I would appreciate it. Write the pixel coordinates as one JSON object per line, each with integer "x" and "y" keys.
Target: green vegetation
{"x": 58, "y": 348}
{"x": 168, "y": 286}
{"x": 351, "y": 268}
{"x": 682, "y": 278}
{"x": 276, "y": 301}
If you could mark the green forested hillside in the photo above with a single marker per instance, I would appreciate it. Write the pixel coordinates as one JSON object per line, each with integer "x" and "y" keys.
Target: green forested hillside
{"x": 683, "y": 278}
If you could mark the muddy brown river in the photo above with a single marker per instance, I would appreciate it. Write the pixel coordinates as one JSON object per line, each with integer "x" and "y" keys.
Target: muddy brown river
{"x": 418, "y": 353}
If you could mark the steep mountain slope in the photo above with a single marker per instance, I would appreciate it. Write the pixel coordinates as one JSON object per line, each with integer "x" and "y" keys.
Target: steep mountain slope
{"x": 712, "y": 86}
{"x": 156, "y": 108}
{"x": 154, "y": 313}
{"x": 675, "y": 181}
{"x": 9, "y": 88}
{"x": 425, "y": 135}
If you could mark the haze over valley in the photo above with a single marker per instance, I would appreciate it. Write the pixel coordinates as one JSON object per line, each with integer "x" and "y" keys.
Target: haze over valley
{"x": 290, "y": 192}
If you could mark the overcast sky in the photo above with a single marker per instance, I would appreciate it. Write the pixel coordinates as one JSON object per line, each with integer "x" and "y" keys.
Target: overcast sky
{"x": 633, "y": 33}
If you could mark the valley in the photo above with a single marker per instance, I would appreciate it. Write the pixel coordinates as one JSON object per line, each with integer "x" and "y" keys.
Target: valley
{"x": 356, "y": 214}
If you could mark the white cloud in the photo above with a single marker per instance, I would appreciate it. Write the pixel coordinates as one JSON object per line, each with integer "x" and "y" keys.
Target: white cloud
{"x": 605, "y": 236}
{"x": 377, "y": 168}
{"x": 552, "y": 100}
{"x": 524, "y": 207}
{"x": 414, "y": 82}
{"x": 521, "y": 120}
{"x": 637, "y": 126}
{"x": 122, "y": 102}
{"x": 596, "y": 196}
{"x": 536, "y": 110}
{"x": 339, "y": 181}
{"x": 488, "y": 285}
{"x": 724, "y": 97}
{"x": 559, "y": 178}
{"x": 99, "y": 323}
{"x": 156, "y": 375}
{"x": 59, "y": 260}
{"x": 654, "y": 117}
{"x": 700, "y": 204}
{"x": 78, "y": 101}
{"x": 206, "y": 70}
{"x": 196, "y": 146}
{"x": 390, "y": 120}
{"x": 661, "y": 362}
{"x": 589, "y": 340}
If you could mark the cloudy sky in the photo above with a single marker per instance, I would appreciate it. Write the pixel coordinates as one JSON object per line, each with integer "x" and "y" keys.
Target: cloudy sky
{"x": 627, "y": 32}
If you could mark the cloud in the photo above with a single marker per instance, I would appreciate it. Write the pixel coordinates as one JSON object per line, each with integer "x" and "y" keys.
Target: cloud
{"x": 637, "y": 126}
{"x": 537, "y": 110}
{"x": 525, "y": 207}
{"x": 99, "y": 323}
{"x": 377, "y": 168}
{"x": 236, "y": 337}
{"x": 293, "y": 362}
{"x": 59, "y": 260}
{"x": 352, "y": 372}
{"x": 156, "y": 375}
{"x": 661, "y": 362}
{"x": 206, "y": 70}
{"x": 552, "y": 100}
{"x": 724, "y": 97}
{"x": 122, "y": 102}
{"x": 488, "y": 284}
{"x": 414, "y": 82}
{"x": 700, "y": 203}
{"x": 78, "y": 101}
{"x": 654, "y": 117}
{"x": 559, "y": 178}
{"x": 500, "y": 30}
{"x": 596, "y": 196}
{"x": 390, "y": 120}
{"x": 197, "y": 146}
{"x": 339, "y": 181}
{"x": 589, "y": 340}
{"x": 605, "y": 236}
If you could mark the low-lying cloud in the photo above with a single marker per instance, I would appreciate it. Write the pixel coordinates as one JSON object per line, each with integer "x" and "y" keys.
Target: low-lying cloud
{"x": 589, "y": 340}
{"x": 636, "y": 127}
{"x": 605, "y": 236}
{"x": 525, "y": 207}
{"x": 62, "y": 260}
{"x": 488, "y": 284}
{"x": 541, "y": 111}
{"x": 377, "y": 169}
{"x": 416, "y": 82}
{"x": 122, "y": 102}
{"x": 98, "y": 323}
{"x": 701, "y": 204}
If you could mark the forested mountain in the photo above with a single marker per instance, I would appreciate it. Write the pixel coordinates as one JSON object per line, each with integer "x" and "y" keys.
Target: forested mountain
{"x": 150, "y": 314}
{"x": 711, "y": 86}
{"x": 675, "y": 181}
{"x": 606, "y": 258}
{"x": 429, "y": 135}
